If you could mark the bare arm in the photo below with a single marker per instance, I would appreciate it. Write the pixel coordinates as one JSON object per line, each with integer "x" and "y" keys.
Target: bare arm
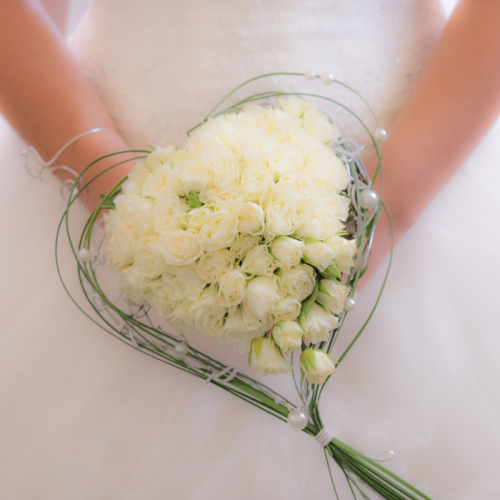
{"x": 47, "y": 98}
{"x": 454, "y": 103}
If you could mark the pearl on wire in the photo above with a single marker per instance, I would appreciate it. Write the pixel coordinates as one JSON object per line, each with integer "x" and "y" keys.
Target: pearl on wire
{"x": 380, "y": 134}
{"x": 349, "y": 304}
{"x": 297, "y": 419}
{"x": 368, "y": 199}
{"x": 389, "y": 454}
{"x": 310, "y": 75}
{"x": 327, "y": 78}
{"x": 181, "y": 350}
{"x": 84, "y": 255}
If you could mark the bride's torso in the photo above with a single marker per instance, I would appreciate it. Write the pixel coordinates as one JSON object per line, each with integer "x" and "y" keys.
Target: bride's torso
{"x": 160, "y": 66}
{"x": 100, "y": 420}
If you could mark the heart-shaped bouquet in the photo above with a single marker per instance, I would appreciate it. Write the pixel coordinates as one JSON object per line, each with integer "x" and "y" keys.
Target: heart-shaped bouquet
{"x": 256, "y": 233}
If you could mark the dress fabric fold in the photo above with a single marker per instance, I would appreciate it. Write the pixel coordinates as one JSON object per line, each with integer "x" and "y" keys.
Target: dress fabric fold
{"x": 86, "y": 417}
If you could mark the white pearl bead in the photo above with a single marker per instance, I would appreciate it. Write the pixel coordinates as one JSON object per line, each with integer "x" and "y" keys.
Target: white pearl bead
{"x": 297, "y": 419}
{"x": 327, "y": 78}
{"x": 349, "y": 304}
{"x": 181, "y": 350}
{"x": 389, "y": 454}
{"x": 380, "y": 134}
{"x": 83, "y": 255}
{"x": 368, "y": 199}
{"x": 310, "y": 75}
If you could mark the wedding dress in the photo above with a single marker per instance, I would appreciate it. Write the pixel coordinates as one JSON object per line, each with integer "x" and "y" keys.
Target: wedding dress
{"x": 86, "y": 417}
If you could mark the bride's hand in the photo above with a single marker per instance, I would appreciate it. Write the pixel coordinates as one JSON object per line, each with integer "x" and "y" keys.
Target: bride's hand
{"x": 87, "y": 150}
{"x": 46, "y": 97}
{"x": 455, "y": 102}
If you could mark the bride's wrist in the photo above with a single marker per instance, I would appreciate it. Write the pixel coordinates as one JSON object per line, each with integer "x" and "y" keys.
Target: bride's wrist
{"x": 79, "y": 155}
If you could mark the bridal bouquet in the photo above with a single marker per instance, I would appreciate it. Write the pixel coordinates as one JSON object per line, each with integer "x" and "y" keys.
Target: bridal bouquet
{"x": 240, "y": 234}
{"x": 256, "y": 233}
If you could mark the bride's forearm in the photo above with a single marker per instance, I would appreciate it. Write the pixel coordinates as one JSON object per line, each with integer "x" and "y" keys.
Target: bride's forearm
{"x": 455, "y": 102}
{"x": 47, "y": 98}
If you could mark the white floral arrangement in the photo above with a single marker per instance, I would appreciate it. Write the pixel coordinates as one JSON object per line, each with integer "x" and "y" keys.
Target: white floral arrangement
{"x": 241, "y": 233}
{"x": 256, "y": 233}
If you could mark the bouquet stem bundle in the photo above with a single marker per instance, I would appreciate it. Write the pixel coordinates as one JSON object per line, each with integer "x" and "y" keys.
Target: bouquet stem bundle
{"x": 136, "y": 328}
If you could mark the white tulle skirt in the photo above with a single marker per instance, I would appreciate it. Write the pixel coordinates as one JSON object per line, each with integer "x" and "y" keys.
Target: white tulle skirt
{"x": 86, "y": 417}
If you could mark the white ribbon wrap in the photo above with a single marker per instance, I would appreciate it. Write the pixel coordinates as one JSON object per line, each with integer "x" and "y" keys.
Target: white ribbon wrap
{"x": 230, "y": 371}
{"x": 324, "y": 436}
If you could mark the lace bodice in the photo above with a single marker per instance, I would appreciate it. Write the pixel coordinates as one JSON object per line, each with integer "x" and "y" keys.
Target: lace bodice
{"x": 160, "y": 66}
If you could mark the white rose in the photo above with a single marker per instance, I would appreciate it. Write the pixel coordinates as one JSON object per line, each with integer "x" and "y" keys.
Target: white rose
{"x": 148, "y": 255}
{"x": 281, "y": 213}
{"x": 162, "y": 178}
{"x": 298, "y": 281}
{"x": 287, "y": 308}
{"x": 223, "y": 164}
{"x": 256, "y": 148}
{"x": 258, "y": 181}
{"x": 193, "y": 175}
{"x": 317, "y": 125}
{"x": 288, "y": 335}
{"x": 318, "y": 254}
{"x": 195, "y": 218}
{"x": 169, "y": 275}
{"x": 122, "y": 243}
{"x": 293, "y": 105}
{"x": 134, "y": 284}
{"x": 167, "y": 212}
{"x": 318, "y": 324}
{"x": 342, "y": 204}
{"x": 218, "y": 232}
{"x": 231, "y": 288}
{"x": 239, "y": 332}
{"x": 266, "y": 358}
{"x": 134, "y": 275}
{"x": 218, "y": 135}
{"x": 345, "y": 250}
{"x": 316, "y": 365}
{"x": 128, "y": 187}
{"x": 327, "y": 171}
{"x": 281, "y": 125}
{"x": 131, "y": 220}
{"x": 299, "y": 185}
{"x": 225, "y": 195}
{"x": 179, "y": 318}
{"x": 158, "y": 295}
{"x": 242, "y": 244}
{"x": 187, "y": 284}
{"x": 180, "y": 247}
{"x": 208, "y": 316}
{"x": 307, "y": 144}
{"x": 248, "y": 218}
{"x": 159, "y": 156}
{"x": 139, "y": 174}
{"x": 258, "y": 261}
{"x": 335, "y": 205}
{"x": 320, "y": 225}
{"x": 333, "y": 295}
{"x": 136, "y": 212}
{"x": 213, "y": 264}
{"x": 287, "y": 251}
{"x": 285, "y": 159}
{"x": 261, "y": 295}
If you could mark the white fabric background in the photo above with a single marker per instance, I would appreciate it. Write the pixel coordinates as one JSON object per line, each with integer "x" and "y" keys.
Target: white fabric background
{"x": 85, "y": 417}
